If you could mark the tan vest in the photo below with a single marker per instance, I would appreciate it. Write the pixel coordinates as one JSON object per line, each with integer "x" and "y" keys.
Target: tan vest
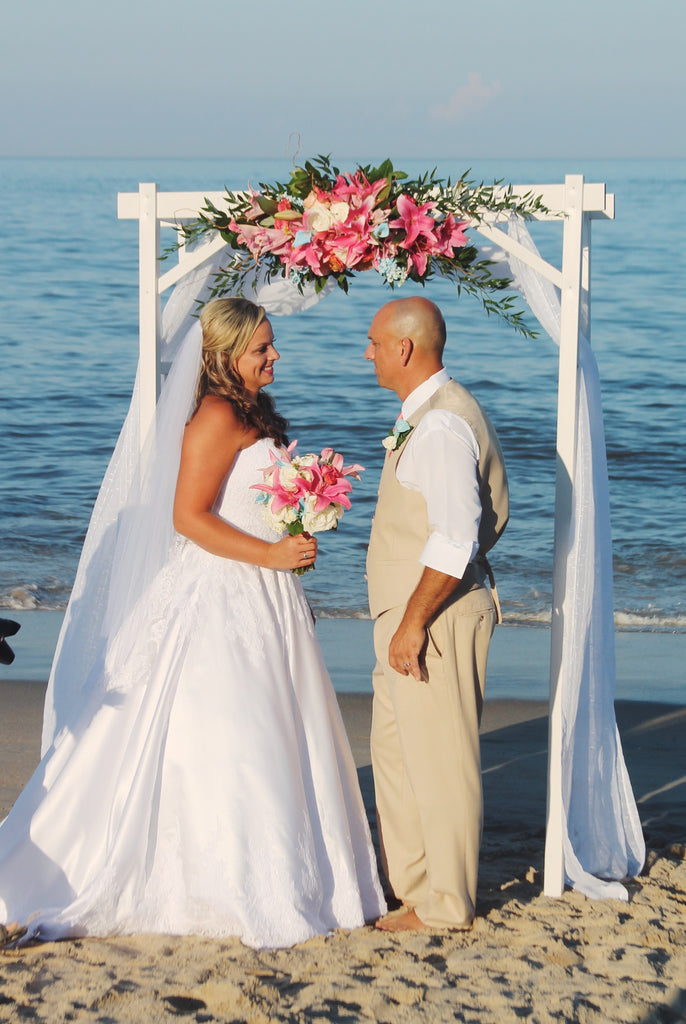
{"x": 400, "y": 527}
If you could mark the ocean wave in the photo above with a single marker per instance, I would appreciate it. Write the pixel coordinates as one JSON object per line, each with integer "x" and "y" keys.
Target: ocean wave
{"x": 625, "y": 621}
{"x": 33, "y": 597}
{"x": 30, "y": 597}
{"x": 524, "y": 617}
{"x": 342, "y": 613}
{"x": 656, "y": 622}
{"x": 21, "y": 598}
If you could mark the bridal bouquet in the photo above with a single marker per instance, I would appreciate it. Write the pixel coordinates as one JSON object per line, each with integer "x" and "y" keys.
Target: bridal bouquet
{"x": 305, "y": 493}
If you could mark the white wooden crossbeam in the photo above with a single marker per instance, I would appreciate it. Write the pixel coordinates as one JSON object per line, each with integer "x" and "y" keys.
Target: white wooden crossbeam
{"x": 532, "y": 259}
{"x": 189, "y": 260}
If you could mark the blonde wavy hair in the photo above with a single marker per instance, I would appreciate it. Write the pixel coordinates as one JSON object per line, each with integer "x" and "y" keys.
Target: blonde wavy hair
{"x": 227, "y": 327}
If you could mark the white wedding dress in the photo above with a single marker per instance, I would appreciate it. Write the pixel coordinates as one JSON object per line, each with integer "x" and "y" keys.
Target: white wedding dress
{"x": 206, "y": 786}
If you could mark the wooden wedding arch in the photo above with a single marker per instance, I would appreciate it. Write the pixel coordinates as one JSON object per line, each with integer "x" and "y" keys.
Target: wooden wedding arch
{"x": 574, "y": 205}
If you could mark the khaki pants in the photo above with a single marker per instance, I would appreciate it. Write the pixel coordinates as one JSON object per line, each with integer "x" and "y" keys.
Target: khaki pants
{"x": 427, "y": 764}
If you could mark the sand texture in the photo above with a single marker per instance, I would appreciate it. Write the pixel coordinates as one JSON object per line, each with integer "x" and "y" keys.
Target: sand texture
{"x": 527, "y": 957}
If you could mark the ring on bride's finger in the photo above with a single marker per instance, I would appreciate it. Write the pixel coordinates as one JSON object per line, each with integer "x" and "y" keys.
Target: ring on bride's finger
{"x": 406, "y": 665}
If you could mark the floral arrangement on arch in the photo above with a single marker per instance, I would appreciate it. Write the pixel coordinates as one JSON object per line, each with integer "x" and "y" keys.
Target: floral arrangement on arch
{"x": 325, "y": 224}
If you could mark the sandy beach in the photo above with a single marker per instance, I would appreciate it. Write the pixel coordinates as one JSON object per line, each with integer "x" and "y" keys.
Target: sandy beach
{"x": 527, "y": 956}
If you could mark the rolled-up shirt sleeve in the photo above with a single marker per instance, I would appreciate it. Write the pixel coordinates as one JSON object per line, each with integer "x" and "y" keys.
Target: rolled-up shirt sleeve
{"x": 440, "y": 461}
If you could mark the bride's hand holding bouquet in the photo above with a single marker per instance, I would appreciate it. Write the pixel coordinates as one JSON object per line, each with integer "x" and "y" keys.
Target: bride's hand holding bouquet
{"x": 297, "y": 553}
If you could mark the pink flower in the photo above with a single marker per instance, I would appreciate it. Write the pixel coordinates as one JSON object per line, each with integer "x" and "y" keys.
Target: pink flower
{"x": 308, "y": 255}
{"x": 329, "y": 489}
{"x": 414, "y": 221}
{"x": 450, "y": 235}
{"x": 388, "y": 249}
{"x": 336, "y": 460}
{"x": 417, "y": 258}
{"x": 317, "y": 195}
{"x": 356, "y": 190}
{"x": 255, "y": 211}
{"x": 261, "y": 240}
{"x": 352, "y": 241}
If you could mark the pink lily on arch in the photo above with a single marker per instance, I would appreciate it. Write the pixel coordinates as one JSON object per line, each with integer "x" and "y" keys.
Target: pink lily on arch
{"x": 261, "y": 240}
{"x": 450, "y": 235}
{"x": 356, "y": 190}
{"x": 414, "y": 221}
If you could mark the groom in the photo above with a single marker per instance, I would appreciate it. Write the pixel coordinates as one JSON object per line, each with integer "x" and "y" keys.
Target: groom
{"x": 443, "y": 502}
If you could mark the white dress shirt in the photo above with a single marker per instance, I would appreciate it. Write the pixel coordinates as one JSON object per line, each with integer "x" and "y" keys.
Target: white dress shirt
{"x": 439, "y": 459}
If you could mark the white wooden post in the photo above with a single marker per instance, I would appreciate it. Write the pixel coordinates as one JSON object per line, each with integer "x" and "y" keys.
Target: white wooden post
{"x": 149, "y": 305}
{"x": 585, "y": 321}
{"x": 564, "y": 481}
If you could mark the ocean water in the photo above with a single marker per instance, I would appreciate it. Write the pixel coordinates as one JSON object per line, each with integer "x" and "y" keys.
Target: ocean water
{"x": 68, "y": 348}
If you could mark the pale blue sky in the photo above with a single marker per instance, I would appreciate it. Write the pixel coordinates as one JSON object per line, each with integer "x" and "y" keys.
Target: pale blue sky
{"x": 361, "y": 79}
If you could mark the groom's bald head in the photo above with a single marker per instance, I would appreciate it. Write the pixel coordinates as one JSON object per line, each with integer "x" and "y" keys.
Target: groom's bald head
{"x": 406, "y": 341}
{"x": 418, "y": 319}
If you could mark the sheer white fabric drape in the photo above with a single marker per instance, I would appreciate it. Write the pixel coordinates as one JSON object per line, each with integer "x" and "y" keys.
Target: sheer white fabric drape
{"x": 602, "y": 830}
{"x": 131, "y": 530}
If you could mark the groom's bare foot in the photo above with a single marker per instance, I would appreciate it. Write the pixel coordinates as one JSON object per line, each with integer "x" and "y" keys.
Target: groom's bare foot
{"x": 406, "y": 922}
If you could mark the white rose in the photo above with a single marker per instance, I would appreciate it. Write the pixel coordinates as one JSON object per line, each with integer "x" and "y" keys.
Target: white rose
{"x": 305, "y": 460}
{"x": 320, "y": 217}
{"x": 287, "y": 475}
{"x": 327, "y": 519}
{"x": 340, "y": 211}
{"x": 287, "y": 515}
{"x": 389, "y": 442}
{"x": 272, "y": 521}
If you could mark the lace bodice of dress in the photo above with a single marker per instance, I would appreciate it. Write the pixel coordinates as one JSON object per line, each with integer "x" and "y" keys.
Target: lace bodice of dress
{"x": 236, "y": 502}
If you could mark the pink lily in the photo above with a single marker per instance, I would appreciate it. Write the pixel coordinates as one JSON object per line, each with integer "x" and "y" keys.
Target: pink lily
{"x": 309, "y": 255}
{"x": 413, "y": 220}
{"x": 255, "y": 211}
{"x": 356, "y": 189}
{"x": 352, "y": 240}
{"x": 260, "y": 240}
{"x": 450, "y": 235}
{"x": 418, "y": 256}
{"x": 336, "y": 460}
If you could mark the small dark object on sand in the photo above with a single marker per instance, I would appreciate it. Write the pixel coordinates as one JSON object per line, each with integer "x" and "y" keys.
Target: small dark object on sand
{"x": 7, "y": 628}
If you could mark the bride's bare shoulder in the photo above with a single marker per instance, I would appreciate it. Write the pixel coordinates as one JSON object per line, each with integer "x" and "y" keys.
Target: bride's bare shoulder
{"x": 216, "y": 414}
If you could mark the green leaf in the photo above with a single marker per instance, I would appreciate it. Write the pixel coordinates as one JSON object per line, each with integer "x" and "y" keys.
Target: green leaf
{"x": 266, "y": 204}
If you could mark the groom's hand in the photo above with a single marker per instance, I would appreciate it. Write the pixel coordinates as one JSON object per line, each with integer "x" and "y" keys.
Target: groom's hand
{"x": 406, "y": 649}
{"x": 409, "y": 641}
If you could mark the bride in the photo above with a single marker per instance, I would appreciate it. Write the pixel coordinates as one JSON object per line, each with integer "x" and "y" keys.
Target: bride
{"x": 199, "y": 780}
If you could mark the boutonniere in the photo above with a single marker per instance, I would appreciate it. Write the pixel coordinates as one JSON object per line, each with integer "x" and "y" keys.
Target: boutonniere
{"x": 397, "y": 437}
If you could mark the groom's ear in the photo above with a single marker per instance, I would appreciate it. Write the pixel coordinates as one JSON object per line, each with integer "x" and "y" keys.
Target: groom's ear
{"x": 406, "y": 347}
